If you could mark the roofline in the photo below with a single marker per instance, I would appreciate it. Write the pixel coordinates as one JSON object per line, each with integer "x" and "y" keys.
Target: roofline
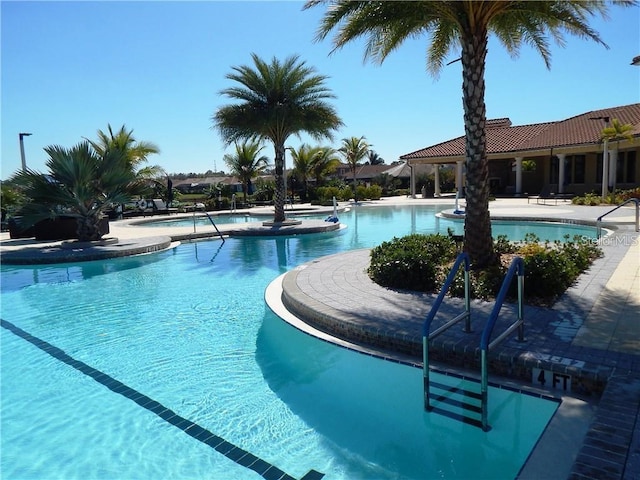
{"x": 559, "y": 149}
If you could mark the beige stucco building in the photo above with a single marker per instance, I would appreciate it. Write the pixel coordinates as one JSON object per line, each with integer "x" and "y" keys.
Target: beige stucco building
{"x": 564, "y": 156}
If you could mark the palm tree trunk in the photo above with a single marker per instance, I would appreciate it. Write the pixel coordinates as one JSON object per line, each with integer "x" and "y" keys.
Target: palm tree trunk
{"x": 355, "y": 189}
{"x": 478, "y": 242}
{"x": 88, "y": 228}
{"x": 279, "y": 197}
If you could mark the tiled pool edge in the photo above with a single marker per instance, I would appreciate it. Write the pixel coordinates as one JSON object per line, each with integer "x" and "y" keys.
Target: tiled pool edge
{"x": 611, "y": 448}
{"x": 55, "y": 254}
{"x": 506, "y": 362}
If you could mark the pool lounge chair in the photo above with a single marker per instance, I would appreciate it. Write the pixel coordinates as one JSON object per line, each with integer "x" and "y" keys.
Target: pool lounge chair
{"x": 545, "y": 194}
{"x": 160, "y": 207}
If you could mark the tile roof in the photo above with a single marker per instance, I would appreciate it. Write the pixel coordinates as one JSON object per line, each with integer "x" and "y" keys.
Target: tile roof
{"x": 364, "y": 171}
{"x": 504, "y": 138}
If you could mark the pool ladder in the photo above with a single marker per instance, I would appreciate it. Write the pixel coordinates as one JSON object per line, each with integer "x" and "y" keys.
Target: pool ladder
{"x": 474, "y": 404}
{"x": 214, "y": 226}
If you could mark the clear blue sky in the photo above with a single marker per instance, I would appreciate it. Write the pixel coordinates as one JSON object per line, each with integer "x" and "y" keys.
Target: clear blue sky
{"x": 71, "y": 68}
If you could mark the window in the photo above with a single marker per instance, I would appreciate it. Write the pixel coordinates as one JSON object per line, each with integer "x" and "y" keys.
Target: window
{"x": 631, "y": 167}
{"x": 574, "y": 169}
{"x": 553, "y": 170}
{"x": 626, "y": 167}
{"x": 578, "y": 168}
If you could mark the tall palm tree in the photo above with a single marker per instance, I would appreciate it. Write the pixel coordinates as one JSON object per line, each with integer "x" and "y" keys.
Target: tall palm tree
{"x": 353, "y": 150}
{"x": 303, "y": 162}
{"x": 246, "y": 164}
{"x": 81, "y": 183}
{"x": 616, "y": 131}
{"x": 464, "y": 26}
{"x": 324, "y": 163}
{"x": 276, "y": 100}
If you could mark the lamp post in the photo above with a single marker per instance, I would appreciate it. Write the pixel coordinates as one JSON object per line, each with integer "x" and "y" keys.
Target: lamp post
{"x": 605, "y": 159}
{"x": 24, "y": 162}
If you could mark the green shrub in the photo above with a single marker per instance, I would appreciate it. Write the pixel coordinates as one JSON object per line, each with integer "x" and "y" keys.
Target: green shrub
{"x": 374, "y": 192}
{"x": 627, "y": 194}
{"x": 582, "y": 251}
{"x": 422, "y": 263}
{"x": 413, "y": 262}
{"x": 612, "y": 198}
{"x": 502, "y": 245}
{"x": 326, "y": 194}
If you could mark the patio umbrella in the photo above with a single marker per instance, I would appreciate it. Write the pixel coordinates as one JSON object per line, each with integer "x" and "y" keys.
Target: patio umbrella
{"x": 169, "y": 191}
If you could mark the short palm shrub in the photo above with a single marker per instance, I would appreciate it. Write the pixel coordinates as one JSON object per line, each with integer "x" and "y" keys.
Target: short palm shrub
{"x": 422, "y": 263}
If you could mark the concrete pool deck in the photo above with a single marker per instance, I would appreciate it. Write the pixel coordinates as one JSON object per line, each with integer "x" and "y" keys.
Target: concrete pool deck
{"x": 592, "y": 333}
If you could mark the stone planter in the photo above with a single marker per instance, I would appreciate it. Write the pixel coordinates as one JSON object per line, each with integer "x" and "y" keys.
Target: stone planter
{"x": 61, "y": 228}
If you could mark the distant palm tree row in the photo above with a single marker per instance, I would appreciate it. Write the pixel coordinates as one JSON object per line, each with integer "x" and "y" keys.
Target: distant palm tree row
{"x": 309, "y": 163}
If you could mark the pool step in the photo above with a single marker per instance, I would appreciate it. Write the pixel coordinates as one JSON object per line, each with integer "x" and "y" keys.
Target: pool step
{"x": 457, "y": 403}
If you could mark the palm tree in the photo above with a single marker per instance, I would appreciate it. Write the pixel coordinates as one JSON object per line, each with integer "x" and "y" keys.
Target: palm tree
{"x": 615, "y": 132}
{"x": 136, "y": 152}
{"x": 276, "y": 100}
{"x": 374, "y": 158}
{"x": 246, "y": 164}
{"x": 81, "y": 183}
{"x": 353, "y": 150}
{"x": 303, "y": 163}
{"x": 324, "y": 163}
{"x": 464, "y": 25}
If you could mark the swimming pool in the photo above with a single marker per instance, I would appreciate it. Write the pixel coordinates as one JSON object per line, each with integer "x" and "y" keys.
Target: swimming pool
{"x": 226, "y": 217}
{"x": 189, "y": 330}
{"x": 401, "y": 220}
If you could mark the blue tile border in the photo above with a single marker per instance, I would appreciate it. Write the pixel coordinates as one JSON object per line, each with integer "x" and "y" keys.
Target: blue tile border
{"x": 229, "y": 450}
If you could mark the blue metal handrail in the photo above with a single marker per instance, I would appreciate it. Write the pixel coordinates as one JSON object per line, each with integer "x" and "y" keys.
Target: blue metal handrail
{"x": 517, "y": 266}
{"x": 466, "y": 315}
{"x": 634, "y": 200}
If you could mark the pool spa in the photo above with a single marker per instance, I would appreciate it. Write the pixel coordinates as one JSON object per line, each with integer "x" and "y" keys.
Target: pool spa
{"x": 170, "y": 365}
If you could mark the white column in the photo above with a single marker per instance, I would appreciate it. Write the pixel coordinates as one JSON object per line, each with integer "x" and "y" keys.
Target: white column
{"x": 561, "y": 158}
{"x": 613, "y": 164}
{"x": 605, "y": 164}
{"x": 518, "y": 176}
{"x": 436, "y": 181}
{"x": 459, "y": 165}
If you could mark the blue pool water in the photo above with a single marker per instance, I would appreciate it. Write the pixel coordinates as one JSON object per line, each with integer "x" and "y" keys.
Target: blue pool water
{"x": 400, "y": 221}
{"x": 189, "y": 329}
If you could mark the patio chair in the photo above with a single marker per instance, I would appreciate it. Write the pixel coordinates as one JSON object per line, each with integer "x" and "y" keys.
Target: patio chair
{"x": 159, "y": 206}
{"x": 545, "y": 194}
